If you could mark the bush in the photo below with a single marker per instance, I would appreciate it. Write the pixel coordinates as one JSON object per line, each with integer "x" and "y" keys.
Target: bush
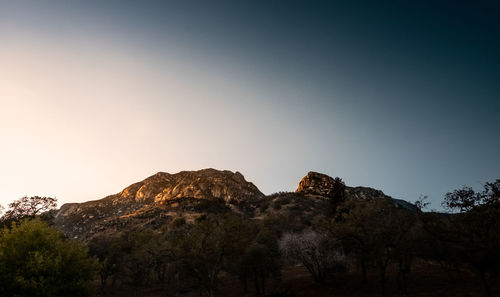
{"x": 36, "y": 260}
{"x": 314, "y": 251}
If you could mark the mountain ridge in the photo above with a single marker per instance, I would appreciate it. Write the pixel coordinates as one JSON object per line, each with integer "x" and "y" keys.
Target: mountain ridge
{"x": 160, "y": 197}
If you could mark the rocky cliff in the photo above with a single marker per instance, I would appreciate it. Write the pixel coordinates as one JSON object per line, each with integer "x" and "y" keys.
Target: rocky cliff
{"x": 206, "y": 184}
{"x": 158, "y": 196}
{"x": 155, "y": 201}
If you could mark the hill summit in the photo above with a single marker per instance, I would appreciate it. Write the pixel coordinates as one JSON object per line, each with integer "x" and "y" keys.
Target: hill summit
{"x": 156, "y": 200}
{"x": 206, "y": 183}
{"x": 316, "y": 184}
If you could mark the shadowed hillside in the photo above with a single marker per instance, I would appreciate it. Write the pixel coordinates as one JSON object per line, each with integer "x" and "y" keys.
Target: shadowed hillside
{"x": 213, "y": 233}
{"x": 154, "y": 201}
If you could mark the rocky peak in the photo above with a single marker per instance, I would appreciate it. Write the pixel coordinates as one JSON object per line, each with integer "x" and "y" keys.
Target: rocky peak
{"x": 155, "y": 200}
{"x": 150, "y": 199}
{"x": 209, "y": 184}
{"x": 315, "y": 183}
{"x": 206, "y": 183}
{"x": 146, "y": 190}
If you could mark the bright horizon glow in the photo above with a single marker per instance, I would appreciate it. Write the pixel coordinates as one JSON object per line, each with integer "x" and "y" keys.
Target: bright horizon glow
{"x": 63, "y": 122}
{"x": 95, "y": 96}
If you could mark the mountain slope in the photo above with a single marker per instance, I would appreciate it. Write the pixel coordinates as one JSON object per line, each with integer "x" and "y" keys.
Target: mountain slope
{"x": 158, "y": 199}
{"x": 156, "y": 196}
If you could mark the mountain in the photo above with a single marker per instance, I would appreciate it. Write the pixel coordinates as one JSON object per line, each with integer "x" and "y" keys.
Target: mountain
{"x": 206, "y": 183}
{"x": 155, "y": 201}
{"x": 158, "y": 195}
{"x": 318, "y": 184}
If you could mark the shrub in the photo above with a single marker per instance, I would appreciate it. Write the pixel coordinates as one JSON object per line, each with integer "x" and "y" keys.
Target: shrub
{"x": 36, "y": 260}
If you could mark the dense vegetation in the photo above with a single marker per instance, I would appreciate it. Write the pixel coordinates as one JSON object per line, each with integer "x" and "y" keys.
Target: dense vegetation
{"x": 368, "y": 238}
{"x": 36, "y": 260}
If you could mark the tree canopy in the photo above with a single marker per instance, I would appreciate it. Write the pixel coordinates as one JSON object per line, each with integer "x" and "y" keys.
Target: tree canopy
{"x": 29, "y": 207}
{"x": 36, "y": 260}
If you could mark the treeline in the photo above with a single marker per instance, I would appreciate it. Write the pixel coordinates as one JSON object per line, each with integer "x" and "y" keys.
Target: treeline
{"x": 182, "y": 253}
{"x": 372, "y": 239}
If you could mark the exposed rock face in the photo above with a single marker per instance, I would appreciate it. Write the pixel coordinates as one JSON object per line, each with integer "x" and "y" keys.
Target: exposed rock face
{"x": 365, "y": 193}
{"x": 322, "y": 185}
{"x": 154, "y": 196}
{"x": 315, "y": 183}
{"x": 155, "y": 201}
{"x": 206, "y": 184}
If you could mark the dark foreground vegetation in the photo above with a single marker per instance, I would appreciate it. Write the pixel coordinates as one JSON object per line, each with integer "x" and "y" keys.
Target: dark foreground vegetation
{"x": 356, "y": 248}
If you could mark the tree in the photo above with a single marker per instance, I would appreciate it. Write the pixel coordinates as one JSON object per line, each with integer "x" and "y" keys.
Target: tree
{"x": 337, "y": 196}
{"x": 373, "y": 231}
{"x": 338, "y": 190}
{"x": 37, "y": 261}
{"x": 466, "y": 199}
{"x": 29, "y": 207}
{"x": 472, "y": 236}
{"x": 137, "y": 259}
{"x": 170, "y": 264}
{"x": 213, "y": 243}
{"x": 130, "y": 257}
{"x": 260, "y": 260}
{"x": 313, "y": 251}
{"x": 108, "y": 251}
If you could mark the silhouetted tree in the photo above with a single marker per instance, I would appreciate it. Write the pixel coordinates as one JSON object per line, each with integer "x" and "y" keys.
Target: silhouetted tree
{"x": 422, "y": 203}
{"x": 373, "y": 231}
{"x": 260, "y": 261}
{"x": 108, "y": 251}
{"x": 337, "y": 196}
{"x": 466, "y": 199}
{"x": 29, "y": 207}
{"x": 473, "y": 235}
{"x": 213, "y": 243}
{"x": 175, "y": 270}
{"x": 135, "y": 247}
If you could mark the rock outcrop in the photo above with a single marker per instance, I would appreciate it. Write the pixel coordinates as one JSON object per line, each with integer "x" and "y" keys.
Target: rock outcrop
{"x": 156, "y": 196}
{"x": 203, "y": 184}
{"x": 158, "y": 199}
{"x": 322, "y": 185}
{"x": 315, "y": 183}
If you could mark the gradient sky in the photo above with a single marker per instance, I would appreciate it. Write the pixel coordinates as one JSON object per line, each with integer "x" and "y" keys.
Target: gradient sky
{"x": 96, "y": 95}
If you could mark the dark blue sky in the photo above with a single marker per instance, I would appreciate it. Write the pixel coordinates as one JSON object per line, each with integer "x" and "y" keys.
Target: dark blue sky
{"x": 399, "y": 95}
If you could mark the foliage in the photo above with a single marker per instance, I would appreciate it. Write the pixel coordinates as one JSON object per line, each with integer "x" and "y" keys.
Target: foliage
{"x": 212, "y": 244}
{"x": 138, "y": 256}
{"x": 260, "y": 260}
{"x": 421, "y": 203}
{"x": 181, "y": 251}
{"x": 374, "y": 232}
{"x": 313, "y": 251}
{"x": 36, "y": 260}
{"x": 466, "y": 199}
{"x": 107, "y": 251}
{"x": 337, "y": 196}
{"x": 473, "y": 236}
{"x": 29, "y": 207}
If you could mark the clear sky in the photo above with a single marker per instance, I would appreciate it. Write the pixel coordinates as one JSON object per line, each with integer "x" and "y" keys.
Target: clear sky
{"x": 96, "y": 95}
